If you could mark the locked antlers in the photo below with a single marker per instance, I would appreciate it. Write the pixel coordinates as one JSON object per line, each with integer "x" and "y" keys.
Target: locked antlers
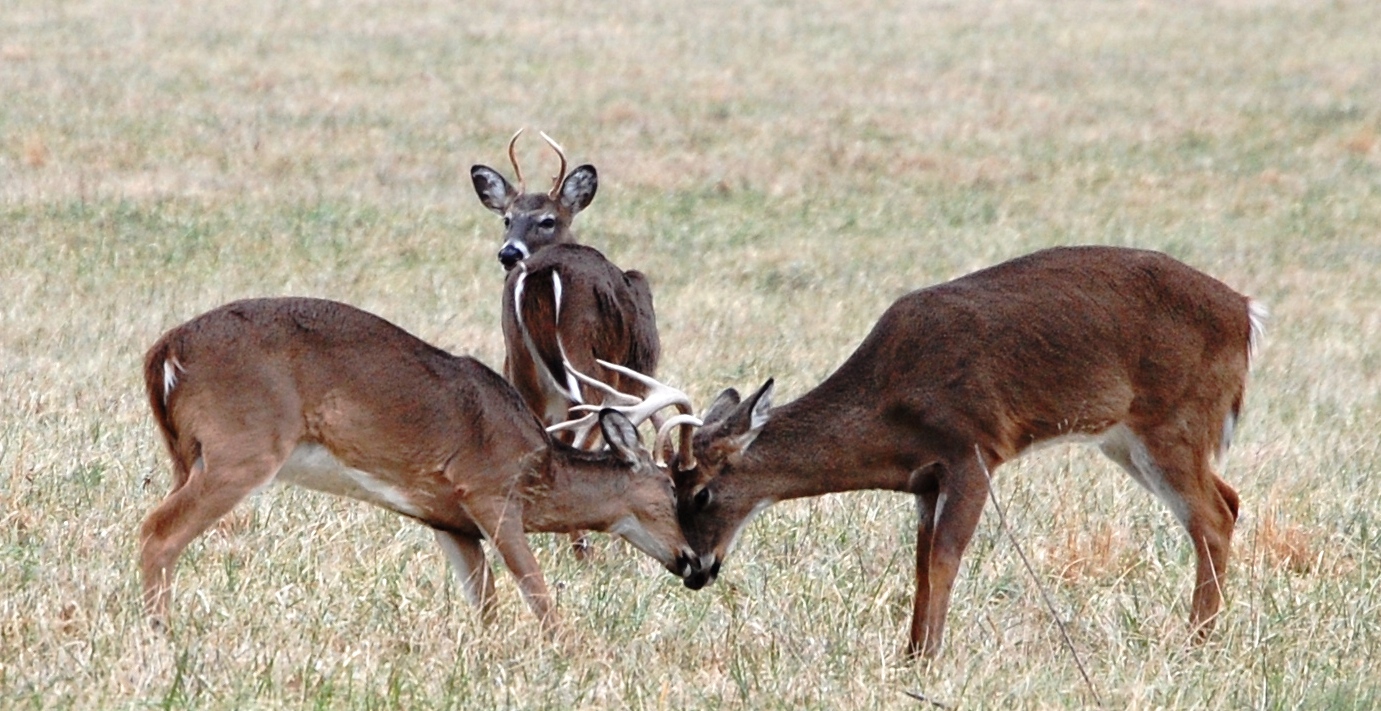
{"x": 659, "y": 397}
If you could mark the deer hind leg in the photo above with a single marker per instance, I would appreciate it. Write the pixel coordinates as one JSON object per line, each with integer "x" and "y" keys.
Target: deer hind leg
{"x": 1179, "y": 474}
{"x": 218, "y": 481}
{"x": 467, "y": 559}
{"x": 953, "y": 510}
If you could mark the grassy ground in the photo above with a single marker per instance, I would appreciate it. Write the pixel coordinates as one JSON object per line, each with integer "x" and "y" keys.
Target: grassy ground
{"x": 782, "y": 172}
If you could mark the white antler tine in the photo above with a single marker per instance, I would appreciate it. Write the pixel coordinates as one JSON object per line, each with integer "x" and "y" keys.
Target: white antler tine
{"x": 618, "y": 398}
{"x": 581, "y": 429}
{"x": 513, "y": 158}
{"x": 629, "y": 372}
{"x": 664, "y": 432}
{"x": 586, "y": 422}
{"x": 657, "y": 390}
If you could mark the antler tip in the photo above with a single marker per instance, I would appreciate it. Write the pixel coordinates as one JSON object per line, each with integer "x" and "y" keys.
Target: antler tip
{"x": 551, "y": 141}
{"x": 560, "y": 153}
{"x": 513, "y": 158}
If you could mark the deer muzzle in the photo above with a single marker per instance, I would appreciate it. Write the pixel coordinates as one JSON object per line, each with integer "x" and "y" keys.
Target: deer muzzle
{"x": 511, "y": 254}
{"x": 703, "y": 571}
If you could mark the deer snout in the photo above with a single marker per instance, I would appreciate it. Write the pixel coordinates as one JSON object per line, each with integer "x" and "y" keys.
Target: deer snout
{"x": 684, "y": 565}
{"x": 511, "y": 254}
{"x": 704, "y": 570}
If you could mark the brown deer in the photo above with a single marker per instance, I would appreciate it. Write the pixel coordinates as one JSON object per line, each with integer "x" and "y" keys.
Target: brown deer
{"x": 564, "y": 302}
{"x": 329, "y": 397}
{"x": 1128, "y": 348}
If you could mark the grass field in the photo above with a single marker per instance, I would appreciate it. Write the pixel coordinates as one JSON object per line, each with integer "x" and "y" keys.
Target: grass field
{"x": 782, "y": 172}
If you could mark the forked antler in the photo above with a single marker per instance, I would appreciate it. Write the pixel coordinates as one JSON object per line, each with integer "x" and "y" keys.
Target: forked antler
{"x": 513, "y": 158}
{"x": 561, "y": 174}
{"x": 660, "y": 396}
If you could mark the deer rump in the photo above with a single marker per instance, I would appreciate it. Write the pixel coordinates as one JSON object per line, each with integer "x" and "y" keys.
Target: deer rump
{"x": 568, "y": 303}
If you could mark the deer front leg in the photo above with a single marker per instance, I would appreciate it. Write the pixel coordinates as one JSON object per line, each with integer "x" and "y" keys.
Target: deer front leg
{"x": 501, "y": 520}
{"x": 925, "y": 531}
{"x": 467, "y": 558}
{"x": 958, "y": 504}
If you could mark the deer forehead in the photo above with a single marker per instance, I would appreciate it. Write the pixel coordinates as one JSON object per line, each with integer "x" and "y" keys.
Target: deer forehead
{"x": 535, "y": 203}
{"x": 524, "y": 220}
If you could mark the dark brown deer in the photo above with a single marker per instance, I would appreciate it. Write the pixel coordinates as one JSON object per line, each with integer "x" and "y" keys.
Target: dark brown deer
{"x": 564, "y": 302}
{"x": 1128, "y": 348}
{"x": 328, "y": 397}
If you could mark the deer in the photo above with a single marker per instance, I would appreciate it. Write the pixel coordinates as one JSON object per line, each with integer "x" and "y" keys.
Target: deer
{"x": 331, "y": 398}
{"x": 1132, "y": 350}
{"x": 565, "y": 302}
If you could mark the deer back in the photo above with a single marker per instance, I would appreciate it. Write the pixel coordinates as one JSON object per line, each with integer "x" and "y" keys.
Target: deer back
{"x": 299, "y": 370}
{"x": 1061, "y": 342}
{"x": 568, "y": 303}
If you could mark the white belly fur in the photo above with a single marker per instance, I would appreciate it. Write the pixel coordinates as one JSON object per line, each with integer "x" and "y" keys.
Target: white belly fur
{"x": 1144, "y": 469}
{"x": 312, "y": 466}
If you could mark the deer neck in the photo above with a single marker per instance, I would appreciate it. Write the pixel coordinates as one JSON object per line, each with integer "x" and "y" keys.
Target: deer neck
{"x": 820, "y": 444}
{"x": 581, "y": 491}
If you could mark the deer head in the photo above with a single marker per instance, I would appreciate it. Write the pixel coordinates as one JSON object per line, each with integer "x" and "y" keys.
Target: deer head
{"x": 534, "y": 220}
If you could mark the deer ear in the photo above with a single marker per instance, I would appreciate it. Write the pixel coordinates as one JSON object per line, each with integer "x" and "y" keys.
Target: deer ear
{"x": 721, "y": 407}
{"x": 494, "y": 190}
{"x": 748, "y": 418}
{"x": 578, "y": 189}
{"x": 621, "y": 435}
{"x": 761, "y": 402}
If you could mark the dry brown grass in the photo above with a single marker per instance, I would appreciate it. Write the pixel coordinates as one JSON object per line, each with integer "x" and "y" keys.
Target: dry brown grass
{"x": 782, "y": 172}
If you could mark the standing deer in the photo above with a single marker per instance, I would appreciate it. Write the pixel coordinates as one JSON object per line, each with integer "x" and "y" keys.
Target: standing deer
{"x": 564, "y": 302}
{"x": 328, "y": 397}
{"x": 1129, "y": 348}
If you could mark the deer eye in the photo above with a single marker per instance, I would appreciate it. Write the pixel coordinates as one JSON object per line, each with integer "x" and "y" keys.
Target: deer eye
{"x": 547, "y": 223}
{"x": 702, "y": 499}
{"x": 507, "y": 221}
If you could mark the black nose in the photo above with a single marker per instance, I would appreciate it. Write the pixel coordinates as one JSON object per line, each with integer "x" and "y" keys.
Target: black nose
{"x": 700, "y": 578}
{"x": 510, "y": 256}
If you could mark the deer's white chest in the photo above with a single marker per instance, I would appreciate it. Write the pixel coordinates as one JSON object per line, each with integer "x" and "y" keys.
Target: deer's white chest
{"x": 312, "y": 466}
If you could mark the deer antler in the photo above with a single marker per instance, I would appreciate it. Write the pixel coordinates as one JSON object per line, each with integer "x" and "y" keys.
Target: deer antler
{"x": 512, "y": 158}
{"x": 560, "y": 175}
{"x": 687, "y": 422}
{"x": 600, "y": 385}
{"x": 659, "y": 397}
